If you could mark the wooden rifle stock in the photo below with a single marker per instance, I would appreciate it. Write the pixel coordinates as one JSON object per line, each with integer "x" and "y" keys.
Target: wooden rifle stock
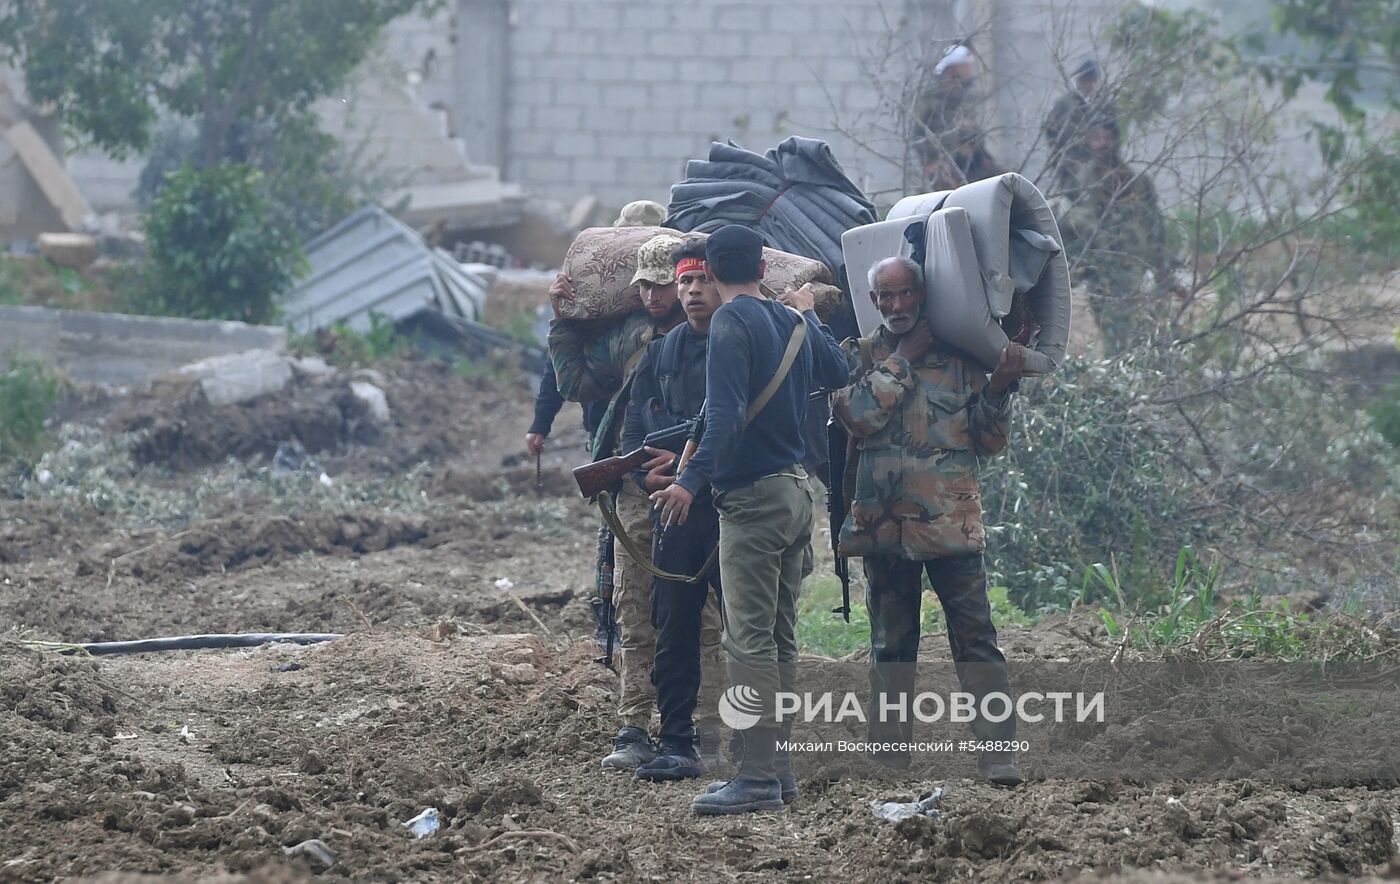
{"x": 601, "y": 475}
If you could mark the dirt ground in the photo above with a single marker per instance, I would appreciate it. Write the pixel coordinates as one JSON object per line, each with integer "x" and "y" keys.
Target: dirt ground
{"x": 464, "y": 683}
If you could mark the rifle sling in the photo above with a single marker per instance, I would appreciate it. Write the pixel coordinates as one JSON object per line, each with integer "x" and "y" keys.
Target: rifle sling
{"x": 609, "y": 510}
{"x": 794, "y": 346}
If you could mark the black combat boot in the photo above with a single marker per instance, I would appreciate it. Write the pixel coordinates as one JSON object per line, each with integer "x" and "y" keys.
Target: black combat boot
{"x": 707, "y": 740}
{"x": 755, "y": 788}
{"x": 782, "y": 763}
{"x": 999, "y": 769}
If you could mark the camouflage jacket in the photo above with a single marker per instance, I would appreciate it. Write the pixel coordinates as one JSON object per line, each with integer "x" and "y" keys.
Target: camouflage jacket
{"x": 920, "y": 429}
{"x": 1111, "y": 216}
{"x": 590, "y": 358}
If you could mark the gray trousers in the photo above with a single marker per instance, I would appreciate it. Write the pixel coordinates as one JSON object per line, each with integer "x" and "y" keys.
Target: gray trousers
{"x": 765, "y": 534}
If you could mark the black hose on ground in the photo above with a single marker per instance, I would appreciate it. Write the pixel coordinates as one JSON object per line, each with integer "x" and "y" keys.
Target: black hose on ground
{"x": 197, "y": 642}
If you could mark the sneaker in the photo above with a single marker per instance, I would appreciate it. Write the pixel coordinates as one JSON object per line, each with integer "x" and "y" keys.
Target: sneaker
{"x": 673, "y": 762}
{"x": 631, "y": 749}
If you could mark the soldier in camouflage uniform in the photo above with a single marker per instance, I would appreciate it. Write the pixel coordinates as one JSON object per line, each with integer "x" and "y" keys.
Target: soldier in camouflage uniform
{"x": 1114, "y": 234}
{"x": 922, "y": 416}
{"x": 591, "y": 362}
{"x": 946, "y": 136}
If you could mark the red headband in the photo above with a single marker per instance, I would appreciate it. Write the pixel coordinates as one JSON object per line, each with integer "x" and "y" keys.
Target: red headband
{"x": 685, "y": 265}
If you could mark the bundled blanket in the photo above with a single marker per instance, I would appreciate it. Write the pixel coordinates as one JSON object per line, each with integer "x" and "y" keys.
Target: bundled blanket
{"x": 602, "y": 260}
{"x": 796, "y": 195}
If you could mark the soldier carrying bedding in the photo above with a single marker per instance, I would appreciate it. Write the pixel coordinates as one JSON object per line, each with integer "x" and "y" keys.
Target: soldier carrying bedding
{"x": 591, "y": 362}
{"x": 922, "y": 417}
{"x": 549, "y": 402}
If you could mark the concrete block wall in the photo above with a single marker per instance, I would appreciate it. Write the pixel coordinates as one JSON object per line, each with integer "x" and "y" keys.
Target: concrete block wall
{"x": 611, "y": 97}
{"x": 120, "y": 350}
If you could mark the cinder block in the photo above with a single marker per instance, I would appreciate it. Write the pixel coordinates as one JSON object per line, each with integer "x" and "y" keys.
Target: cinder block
{"x": 532, "y": 142}
{"x": 835, "y": 69}
{"x": 576, "y": 93}
{"x": 624, "y": 96}
{"x": 568, "y": 143}
{"x": 748, "y": 18}
{"x": 597, "y": 15}
{"x": 562, "y": 118}
{"x": 595, "y": 171}
{"x": 700, "y": 71}
{"x": 532, "y": 91}
{"x": 655, "y": 18}
{"x": 543, "y": 172}
{"x": 520, "y": 117}
{"x": 532, "y": 41}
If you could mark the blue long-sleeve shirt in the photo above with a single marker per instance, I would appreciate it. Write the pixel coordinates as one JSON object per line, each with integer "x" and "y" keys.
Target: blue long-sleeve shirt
{"x": 548, "y": 402}
{"x": 747, "y": 339}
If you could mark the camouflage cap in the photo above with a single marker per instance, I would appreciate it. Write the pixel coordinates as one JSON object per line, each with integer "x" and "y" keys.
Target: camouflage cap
{"x": 641, "y": 213}
{"x": 654, "y": 260}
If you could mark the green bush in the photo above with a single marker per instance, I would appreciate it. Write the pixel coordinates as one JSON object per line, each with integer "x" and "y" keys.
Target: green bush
{"x": 28, "y": 393}
{"x": 11, "y": 282}
{"x": 1385, "y": 413}
{"x": 1085, "y": 478}
{"x": 217, "y": 251}
{"x": 1195, "y": 619}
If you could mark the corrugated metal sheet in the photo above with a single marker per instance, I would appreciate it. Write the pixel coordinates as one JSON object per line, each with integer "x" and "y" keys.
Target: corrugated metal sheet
{"x": 372, "y": 263}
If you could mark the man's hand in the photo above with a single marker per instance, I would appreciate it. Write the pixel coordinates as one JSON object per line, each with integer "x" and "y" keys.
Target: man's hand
{"x": 534, "y": 443}
{"x": 562, "y": 290}
{"x": 673, "y": 503}
{"x": 801, "y": 300}
{"x": 1011, "y": 367}
{"x": 914, "y": 343}
{"x": 659, "y": 473}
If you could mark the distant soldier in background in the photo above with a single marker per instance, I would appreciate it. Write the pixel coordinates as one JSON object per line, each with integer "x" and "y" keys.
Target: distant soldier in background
{"x": 1114, "y": 236}
{"x": 1067, "y": 125}
{"x": 946, "y": 136}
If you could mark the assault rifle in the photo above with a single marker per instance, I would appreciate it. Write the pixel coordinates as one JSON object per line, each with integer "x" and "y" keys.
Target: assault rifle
{"x": 603, "y": 599}
{"x": 600, "y": 475}
{"x": 838, "y": 453}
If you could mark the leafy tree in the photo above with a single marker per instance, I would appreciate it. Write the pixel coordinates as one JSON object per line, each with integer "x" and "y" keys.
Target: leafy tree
{"x": 221, "y": 91}
{"x": 1355, "y": 49}
{"x": 216, "y": 250}
{"x": 113, "y": 68}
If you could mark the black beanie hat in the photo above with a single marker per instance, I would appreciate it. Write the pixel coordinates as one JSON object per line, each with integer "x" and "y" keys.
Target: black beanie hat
{"x": 733, "y": 253}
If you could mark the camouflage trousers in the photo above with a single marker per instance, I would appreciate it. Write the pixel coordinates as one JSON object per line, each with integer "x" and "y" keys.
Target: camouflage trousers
{"x": 893, "y": 597}
{"x": 632, "y": 607}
